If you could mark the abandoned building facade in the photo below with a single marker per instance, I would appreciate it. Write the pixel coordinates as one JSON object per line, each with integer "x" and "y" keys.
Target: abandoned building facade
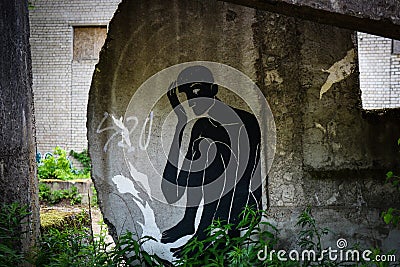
{"x": 66, "y": 38}
{"x": 330, "y": 153}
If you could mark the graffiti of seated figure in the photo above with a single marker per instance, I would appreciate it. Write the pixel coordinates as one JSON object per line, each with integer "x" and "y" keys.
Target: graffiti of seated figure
{"x": 221, "y": 166}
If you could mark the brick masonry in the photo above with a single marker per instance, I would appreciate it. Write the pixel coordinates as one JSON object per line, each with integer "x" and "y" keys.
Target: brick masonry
{"x": 379, "y": 72}
{"x": 60, "y": 84}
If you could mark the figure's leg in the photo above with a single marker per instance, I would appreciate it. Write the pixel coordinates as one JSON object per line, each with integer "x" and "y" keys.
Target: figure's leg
{"x": 205, "y": 222}
{"x": 186, "y": 225}
{"x": 182, "y": 228}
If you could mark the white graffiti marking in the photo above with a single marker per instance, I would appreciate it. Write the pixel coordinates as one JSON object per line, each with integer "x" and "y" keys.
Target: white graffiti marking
{"x": 146, "y": 144}
{"x": 140, "y": 178}
{"x": 120, "y": 127}
{"x": 149, "y": 226}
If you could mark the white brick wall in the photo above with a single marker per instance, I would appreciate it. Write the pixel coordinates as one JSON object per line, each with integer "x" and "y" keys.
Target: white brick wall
{"x": 379, "y": 72}
{"x": 61, "y": 85}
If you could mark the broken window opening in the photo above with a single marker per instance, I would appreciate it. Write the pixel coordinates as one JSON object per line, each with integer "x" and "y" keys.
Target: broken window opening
{"x": 88, "y": 41}
{"x": 379, "y": 65}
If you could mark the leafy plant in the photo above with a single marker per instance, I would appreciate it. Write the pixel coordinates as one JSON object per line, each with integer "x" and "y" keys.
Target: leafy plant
{"x": 56, "y": 196}
{"x": 84, "y": 159}
{"x": 11, "y": 222}
{"x": 58, "y": 166}
{"x": 310, "y": 237}
{"x": 94, "y": 200}
{"x": 72, "y": 244}
{"x": 75, "y": 247}
{"x": 311, "y": 234}
{"x": 392, "y": 215}
{"x": 220, "y": 249}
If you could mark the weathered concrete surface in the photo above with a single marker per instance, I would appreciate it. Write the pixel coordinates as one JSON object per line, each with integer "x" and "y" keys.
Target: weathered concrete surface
{"x": 330, "y": 154}
{"x": 376, "y": 17}
{"x": 18, "y": 181}
{"x": 169, "y": 35}
{"x": 84, "y": 187}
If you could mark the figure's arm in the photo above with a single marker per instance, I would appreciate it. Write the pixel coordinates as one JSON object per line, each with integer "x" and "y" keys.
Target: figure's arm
{"x": 169, "y": 184}
{"x": 176, "y": 180}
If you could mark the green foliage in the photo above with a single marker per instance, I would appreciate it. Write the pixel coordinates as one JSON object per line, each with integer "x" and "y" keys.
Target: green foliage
{"x": 30, "y": 5}
{"x": 393, "y": 179}
{"x": 60, "y": 220}
{"x": 220, "y": 249}
{"x": 59, "y": 167}
{"x": 56, "y": 196}
{"x": 75, "y": 247}
{"x": 392, "y": 215}
{"x": 11, "y": 222}
{"x": 58, "y": 245}
{"x": 310, "y": 237}
{"x": 373, "y": 263}
{"x": 94, "y": 200}
{"x": 84, "y": 159}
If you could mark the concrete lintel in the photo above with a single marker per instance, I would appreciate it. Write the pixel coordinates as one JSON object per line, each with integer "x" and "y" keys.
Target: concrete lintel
{"x": 376, "y": 17}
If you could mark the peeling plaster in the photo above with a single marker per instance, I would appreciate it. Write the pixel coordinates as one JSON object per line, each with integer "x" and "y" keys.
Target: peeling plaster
{"x": 320, "y": 127}
{"x": 317, "y": 199}
{"x": 335, "y": 5}
{"x": 339, "y": 71}
{"x": 333, "y": 198}
{"x": 272, "y": 76}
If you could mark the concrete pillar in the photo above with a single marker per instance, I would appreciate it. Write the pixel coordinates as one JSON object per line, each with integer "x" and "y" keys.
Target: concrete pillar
{"x": 18, "y": 182}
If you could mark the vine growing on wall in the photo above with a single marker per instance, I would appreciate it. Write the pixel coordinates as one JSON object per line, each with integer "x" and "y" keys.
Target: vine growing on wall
{"x": 84, "y": 159}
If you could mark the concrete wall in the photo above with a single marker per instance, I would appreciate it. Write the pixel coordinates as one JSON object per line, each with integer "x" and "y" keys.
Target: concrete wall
{"x": 60, "y": 83}
{"x": 18, "y": 181}
{"x": 84, "y": 187}
{"x": 379, "y": 72}
{"x": 375, "y": 17}
{"x": 330, "y": 154}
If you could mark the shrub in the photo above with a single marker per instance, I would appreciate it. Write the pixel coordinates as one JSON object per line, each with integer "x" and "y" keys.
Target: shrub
{"x": 74, "y": 246}
{"x": 58, "y": 166}
{"x": 392, "y": 215}
{"x": 70, "y": 243}
{"x": 56, "y": 196}
{"x": 84, "y": 159}
{"x": 219, "y": 249}
{"x": 11, "y": 222}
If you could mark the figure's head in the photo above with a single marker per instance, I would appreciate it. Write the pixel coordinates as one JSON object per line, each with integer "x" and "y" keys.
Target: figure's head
{"x": 197, "y": 82}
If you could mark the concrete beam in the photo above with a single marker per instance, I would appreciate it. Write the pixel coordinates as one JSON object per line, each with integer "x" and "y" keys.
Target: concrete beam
{"x": 380, "y": 17}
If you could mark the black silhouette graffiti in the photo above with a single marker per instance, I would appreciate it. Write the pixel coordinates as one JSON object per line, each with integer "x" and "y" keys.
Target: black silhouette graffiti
{"x": 223, "y": 158}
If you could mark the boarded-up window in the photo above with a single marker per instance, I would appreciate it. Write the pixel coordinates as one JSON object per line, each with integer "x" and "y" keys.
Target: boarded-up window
{"x": 396, "y": 47}
{"x": 88, "y": 42}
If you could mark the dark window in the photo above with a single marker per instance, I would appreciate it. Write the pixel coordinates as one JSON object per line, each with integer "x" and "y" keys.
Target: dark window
{"x": 88, "y": 41}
